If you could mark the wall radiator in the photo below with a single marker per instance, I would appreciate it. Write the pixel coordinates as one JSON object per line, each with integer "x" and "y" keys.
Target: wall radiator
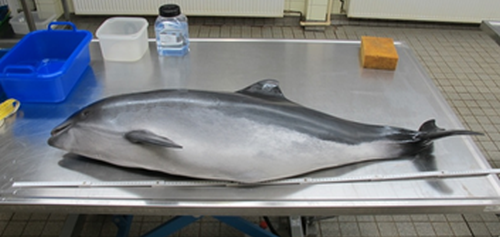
{"x": 426, "y": 10}
{"x": 253, "y": 8}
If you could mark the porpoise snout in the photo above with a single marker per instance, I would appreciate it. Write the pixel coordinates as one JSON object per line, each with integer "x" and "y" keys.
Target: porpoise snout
{"x": 61, "y": 128}
{"x": 57, "y": 138}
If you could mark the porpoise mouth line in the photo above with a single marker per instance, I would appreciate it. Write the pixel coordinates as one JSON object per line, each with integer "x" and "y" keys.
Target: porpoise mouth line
{"x": 61, "y": 128}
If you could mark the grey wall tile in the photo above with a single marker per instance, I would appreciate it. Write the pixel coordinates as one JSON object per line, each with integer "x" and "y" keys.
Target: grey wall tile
{"x": 21, "y": 216}
{"x": 329, "y": 229}
{"x": 6, "y": 215}
{"x": 365, "y": 218}
{"x": 479, "y": 229}
{"x": 346, "y": 218}
{"x": 494, "y": 228}
{"x": 101, "y": 218}
{"x": 108, "y": 229}
{"x": 460, "y": 229}
{"x": 256, "y": 32}
{"x": 214, "y": 32}
{"x": 381, "y": 218}
{"x": 319, "y": 35}
{"x": 14, "y": 228}
{"x": 34, "y": 228}
{"x": 204, "y": 32}
{"x": 401, "y": 218}
{"x": 52, "y": 228}
{"x": 3, "y": 224}
{"x": 387, "y": 229}
{"x": 309, "y": 35}
{"x": 40, "y": 216}
{"x": 424, "y": 229}
{"x": 91, "y": 228}
{"x": 193, "y": 31}
{"x": 406, "y": 229}
{"x": 58, "y": 217}
{"x": 419, "y": 217}
{"x": 135, "y": 229}
{"x": 349, "y": 229}
{"x": 442, "y": 229}
{"x": 368, "y": 229}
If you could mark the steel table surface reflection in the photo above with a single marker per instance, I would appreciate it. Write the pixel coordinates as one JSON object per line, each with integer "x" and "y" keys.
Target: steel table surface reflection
{"x": 492, "y": 28}
{"x": 323, "y": 75}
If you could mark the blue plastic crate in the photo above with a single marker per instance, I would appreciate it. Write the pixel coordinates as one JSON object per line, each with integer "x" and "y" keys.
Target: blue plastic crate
{"x": 3, "y": 52}
{"x": 46, "y": 64}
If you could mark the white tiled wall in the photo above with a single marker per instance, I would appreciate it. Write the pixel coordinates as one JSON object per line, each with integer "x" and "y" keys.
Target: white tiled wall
{"x": 295, "y": 5}
{"x": 337, "y": 5}
{"x": 316, "y": 10}
{"x": 312, "y": 9}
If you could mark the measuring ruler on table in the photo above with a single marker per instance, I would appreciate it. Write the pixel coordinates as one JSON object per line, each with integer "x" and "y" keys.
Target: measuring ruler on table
{"x": 293, "y": 181}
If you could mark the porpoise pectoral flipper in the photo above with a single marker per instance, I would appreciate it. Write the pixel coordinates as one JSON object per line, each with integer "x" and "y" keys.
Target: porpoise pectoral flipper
{"x": 147, "y": 137}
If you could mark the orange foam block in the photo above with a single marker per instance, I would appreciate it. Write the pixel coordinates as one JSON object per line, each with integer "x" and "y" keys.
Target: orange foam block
{"x": 378, "y": 53}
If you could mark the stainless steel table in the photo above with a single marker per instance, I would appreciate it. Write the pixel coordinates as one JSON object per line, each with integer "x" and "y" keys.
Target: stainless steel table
{"x": 492, "y": 28}
{"x": 324, "y": 75}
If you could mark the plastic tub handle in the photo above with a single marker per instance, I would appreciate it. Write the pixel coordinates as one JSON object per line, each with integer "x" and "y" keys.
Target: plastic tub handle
{"x": 61, "y": 23}
{"x": 19, "y": 69}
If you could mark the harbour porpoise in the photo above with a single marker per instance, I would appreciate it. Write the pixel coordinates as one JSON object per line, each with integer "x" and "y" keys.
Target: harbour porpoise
{"x": 249, "y": 136}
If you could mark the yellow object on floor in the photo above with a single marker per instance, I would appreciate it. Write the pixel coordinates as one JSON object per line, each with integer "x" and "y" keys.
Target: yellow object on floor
{"x": 8, "y": 108}
{"x": 378, "y": 53}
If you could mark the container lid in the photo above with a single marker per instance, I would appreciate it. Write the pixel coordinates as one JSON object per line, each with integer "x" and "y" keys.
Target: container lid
{"x": 170, "y": 10}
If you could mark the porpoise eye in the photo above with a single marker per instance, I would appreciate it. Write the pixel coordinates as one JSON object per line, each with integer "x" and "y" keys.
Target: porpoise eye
{"x": 85, "y": 113}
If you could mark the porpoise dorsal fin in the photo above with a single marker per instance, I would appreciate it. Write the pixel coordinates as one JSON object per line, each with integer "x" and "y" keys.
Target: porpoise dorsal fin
{"x": 147, "y": 137}
{"x": 429, "y": 126}
{"x": 268, "y": 88}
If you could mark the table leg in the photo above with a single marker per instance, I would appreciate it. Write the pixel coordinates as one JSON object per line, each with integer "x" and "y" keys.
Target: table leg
{"x": 123, "y": 222}
{"x": 65, "y": 9}
{"x": 296, "y": 227}
{"x": 72, "y": 225}
{"x": 171, "y": 226}
{"x": 305, "y": 226}
{"x": 28, "y": 16}
{"x": 180, "y": 222}
{"x": 310, "y": 227}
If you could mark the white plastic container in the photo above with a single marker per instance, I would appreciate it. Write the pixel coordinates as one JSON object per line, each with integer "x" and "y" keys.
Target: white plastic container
{"x": 46, "y": 8}
{"x": 20, "y": 25}
{"x": 123, "y": 38}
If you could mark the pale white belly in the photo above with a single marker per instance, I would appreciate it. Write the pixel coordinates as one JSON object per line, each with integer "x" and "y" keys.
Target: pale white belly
{"x": 216, "y": 146}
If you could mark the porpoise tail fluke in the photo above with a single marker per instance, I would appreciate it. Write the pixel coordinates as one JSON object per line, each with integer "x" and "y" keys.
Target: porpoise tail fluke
{"x": 429, "y": 132}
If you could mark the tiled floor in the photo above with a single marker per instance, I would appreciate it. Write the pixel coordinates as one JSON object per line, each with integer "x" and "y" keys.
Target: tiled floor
{"x": 464, "y": 63}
